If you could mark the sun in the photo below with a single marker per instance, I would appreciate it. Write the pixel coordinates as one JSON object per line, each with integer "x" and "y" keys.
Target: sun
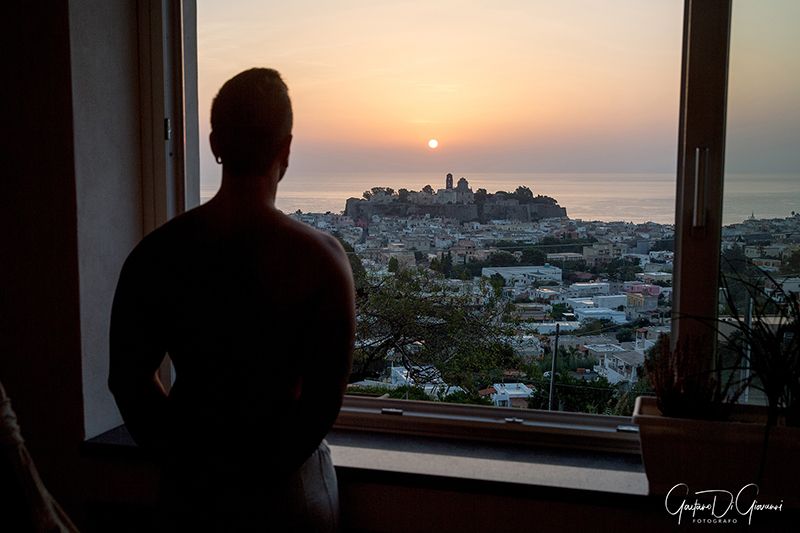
{"x": 433, "y": 144}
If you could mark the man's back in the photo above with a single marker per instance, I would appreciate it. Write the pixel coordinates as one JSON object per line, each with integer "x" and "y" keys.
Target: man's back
{"x": 251, "y": 310}
{"x": 257, "y": 314}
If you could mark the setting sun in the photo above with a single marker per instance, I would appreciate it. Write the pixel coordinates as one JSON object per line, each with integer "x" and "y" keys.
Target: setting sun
{"x": 433, "y": 143}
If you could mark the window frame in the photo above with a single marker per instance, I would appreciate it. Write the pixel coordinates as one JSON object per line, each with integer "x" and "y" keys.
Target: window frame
{"x": 698, "y": 217}
{"x": 169, "y": 131}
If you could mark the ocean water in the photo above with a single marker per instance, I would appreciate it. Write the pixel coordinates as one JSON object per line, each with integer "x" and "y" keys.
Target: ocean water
{"x": 630, "y": 197}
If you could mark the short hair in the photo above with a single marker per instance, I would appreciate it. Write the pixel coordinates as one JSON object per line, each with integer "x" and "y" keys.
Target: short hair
{"x": 251, "y": 117}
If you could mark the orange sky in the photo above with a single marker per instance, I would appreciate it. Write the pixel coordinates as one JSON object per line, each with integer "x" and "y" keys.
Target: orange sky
{"x": 522, "y": 85}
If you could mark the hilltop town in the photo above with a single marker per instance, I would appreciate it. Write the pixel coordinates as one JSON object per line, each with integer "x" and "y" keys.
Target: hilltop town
{"x": 458, "y": 203}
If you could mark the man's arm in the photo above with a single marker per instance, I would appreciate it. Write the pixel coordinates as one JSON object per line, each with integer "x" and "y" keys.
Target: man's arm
{"x": 327, "y": 354}
{"x": 135, "y": 356}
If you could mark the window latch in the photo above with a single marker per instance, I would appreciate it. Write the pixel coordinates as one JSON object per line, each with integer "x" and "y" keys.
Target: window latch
{"x": 701, "y": 155}
{"x": 391, "y": 411}
{"x": 513, "y": 420}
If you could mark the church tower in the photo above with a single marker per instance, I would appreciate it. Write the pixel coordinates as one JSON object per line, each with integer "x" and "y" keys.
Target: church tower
{"x": 448, "y": 181}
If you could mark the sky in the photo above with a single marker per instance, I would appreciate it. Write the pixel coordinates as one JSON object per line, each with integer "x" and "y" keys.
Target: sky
{"x": 504, "y": 86}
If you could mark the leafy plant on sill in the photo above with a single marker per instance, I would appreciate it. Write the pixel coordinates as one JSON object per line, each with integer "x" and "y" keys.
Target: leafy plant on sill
{"x": 684, "y": 385}
{"x": 769, "y": 341}
{"x": 763, "y": 343}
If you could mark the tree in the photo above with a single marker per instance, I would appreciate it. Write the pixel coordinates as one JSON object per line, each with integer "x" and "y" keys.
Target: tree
{"x": 533, "y": 256}
{"x": 497, "y": 282}
{"x": 663, "y": 244}
{"x": 367, "y": 195}
{"x": 557, "y": 311}
{"x": 622, "y": 269}
{"x": 463, "y": 397}
{"x": 574, "y": 394}
{"x": 523, "y": 195}
{"x": 388, "y": 191}
{"x": 502, "y": 259}
{"x": 394, "y": 265}
{"x": 625, "y": 335}
{"x": 413, "y": 319}
{"x": 403, "y": 195}
{"x": 792, "y": 264}
{"x": 594, "y": 327}
{"x": 428, "y": 189}
{"x": 359, "y": 273}
{"x": 409, "y": 392}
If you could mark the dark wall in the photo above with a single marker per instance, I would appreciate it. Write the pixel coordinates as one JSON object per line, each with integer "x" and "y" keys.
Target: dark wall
{"x": 40, "y": 344}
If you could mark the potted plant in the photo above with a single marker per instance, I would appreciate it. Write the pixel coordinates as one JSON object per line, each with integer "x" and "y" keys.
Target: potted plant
{"x": 694, "y": 432}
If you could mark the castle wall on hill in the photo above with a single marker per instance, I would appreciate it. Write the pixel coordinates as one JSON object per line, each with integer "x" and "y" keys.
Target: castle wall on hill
{"x": 358, "y": 208}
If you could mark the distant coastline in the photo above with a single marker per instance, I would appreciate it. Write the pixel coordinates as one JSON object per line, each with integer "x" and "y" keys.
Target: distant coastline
{"x": 636, "y": 197}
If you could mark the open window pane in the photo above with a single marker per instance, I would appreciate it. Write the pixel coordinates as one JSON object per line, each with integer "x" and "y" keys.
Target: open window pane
{"x": 761, "y": 205}
{"x": 494, "y": 170}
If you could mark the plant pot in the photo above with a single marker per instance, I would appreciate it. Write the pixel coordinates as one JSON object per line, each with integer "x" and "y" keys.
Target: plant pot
{"x": 718, "y": 455}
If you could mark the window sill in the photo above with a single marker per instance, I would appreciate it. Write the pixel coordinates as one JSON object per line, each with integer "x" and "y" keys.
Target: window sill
{"x": 380, "y": 456}
{"x": 600, "y": 472}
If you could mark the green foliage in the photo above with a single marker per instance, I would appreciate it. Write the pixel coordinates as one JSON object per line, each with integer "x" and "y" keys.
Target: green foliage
{"x": 463, "y": 397}
{"x": 368, "y": 390}
{"x": 576, "y": 395}
{"x": 359, "y": 273}
{"x": 557, "y": 245}
{"x": 501, "y": 259}
{"x": 523, "y": 195}
{"x": 622, "y": 269}
{"x": 626, "y": 396}
{"x": 394, "y": 265}
{"x": 663, "y": 245}
{"x": 415, "y": 319}
{"x": 532, "y": 256}
{"x": 497, "y": 282}
{"x": 684, "y": 383}
{"x": 625, "y": 335}
{"x": 594, "y": 327}
{"x": 557, "y": 311}
{"x": 443, "y": 264}
{"x": 409, "y": 392}
{"x": 791, "y": 264}
{"x": 769, "y": 341}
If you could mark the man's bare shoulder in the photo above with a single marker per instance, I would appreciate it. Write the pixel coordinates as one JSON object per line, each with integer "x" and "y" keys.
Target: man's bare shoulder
{"x": 322, "y": 245}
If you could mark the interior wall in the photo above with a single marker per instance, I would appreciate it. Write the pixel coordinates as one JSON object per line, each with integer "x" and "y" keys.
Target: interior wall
{"x": 70, "y": 213}
{"x": 106, "y": 119}
{"x": 40, "y": 342}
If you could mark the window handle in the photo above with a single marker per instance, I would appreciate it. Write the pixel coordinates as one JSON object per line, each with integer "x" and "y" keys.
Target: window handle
{"x": 700, "y": 181}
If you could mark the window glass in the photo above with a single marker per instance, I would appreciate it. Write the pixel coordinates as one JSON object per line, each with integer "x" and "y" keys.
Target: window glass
{"x": 760, "y": 260}
{"x": 494, "y": 170}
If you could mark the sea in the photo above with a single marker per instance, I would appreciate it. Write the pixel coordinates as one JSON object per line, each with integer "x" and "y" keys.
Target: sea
{"x": 634, "y": 197}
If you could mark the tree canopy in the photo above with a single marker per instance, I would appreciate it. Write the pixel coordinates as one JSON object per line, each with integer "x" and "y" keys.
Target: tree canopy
{"x": 415, "y": 320}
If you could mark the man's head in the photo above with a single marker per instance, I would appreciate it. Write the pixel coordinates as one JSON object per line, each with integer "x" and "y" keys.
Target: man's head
{"x": 251, "y": 122}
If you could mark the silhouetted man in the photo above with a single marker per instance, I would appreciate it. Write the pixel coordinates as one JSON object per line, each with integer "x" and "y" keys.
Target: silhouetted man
{"x": 256, "y": 311}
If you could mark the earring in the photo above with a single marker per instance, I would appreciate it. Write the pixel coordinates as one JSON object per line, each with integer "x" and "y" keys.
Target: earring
{"x": 219, "y": 159}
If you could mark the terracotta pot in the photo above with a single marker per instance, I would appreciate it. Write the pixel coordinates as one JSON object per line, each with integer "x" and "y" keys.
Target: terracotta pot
{"x": 726, "y": 455}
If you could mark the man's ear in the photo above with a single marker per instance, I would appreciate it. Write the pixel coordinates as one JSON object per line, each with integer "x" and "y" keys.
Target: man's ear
{"x": 286, "y": 148}
{"x": 283, "y": 155}
{"x": 212, "y": 140}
